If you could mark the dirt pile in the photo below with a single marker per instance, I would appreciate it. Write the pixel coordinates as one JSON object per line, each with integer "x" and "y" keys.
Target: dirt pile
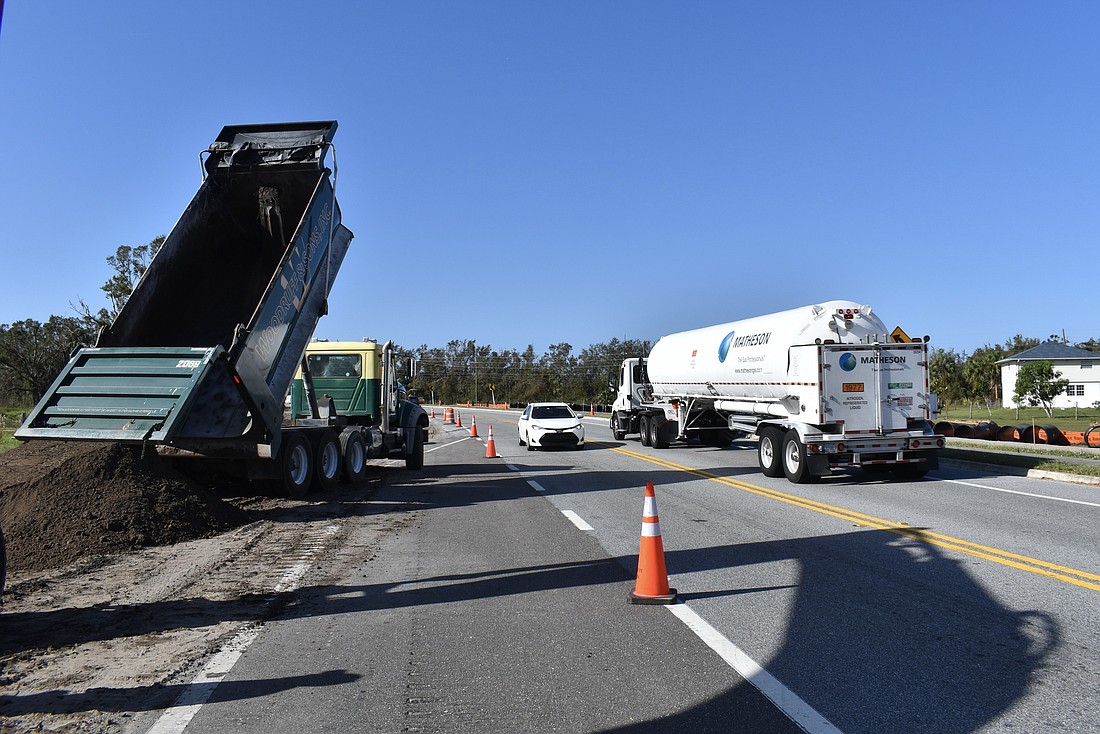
{"x": 61, "y": 501}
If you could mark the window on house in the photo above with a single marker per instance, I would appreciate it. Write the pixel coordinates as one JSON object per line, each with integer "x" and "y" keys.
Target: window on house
{"x": 1072, "y": 390}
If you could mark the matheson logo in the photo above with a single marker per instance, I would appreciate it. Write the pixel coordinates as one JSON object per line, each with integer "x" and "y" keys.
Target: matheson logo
{"x": 882, "y": 359}
{"x": 731, "y": 342}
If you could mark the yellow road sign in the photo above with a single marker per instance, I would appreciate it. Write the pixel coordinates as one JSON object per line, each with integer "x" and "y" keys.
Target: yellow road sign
{"x": 898, "y": 336}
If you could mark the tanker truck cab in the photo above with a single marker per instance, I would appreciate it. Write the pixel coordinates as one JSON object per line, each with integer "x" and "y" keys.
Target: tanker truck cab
{"x": 355, "y": 389}
{"x": 823, "y": 387}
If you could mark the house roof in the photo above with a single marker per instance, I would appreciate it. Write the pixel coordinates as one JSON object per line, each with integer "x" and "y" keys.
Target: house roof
{"x": 1053, "y": 351}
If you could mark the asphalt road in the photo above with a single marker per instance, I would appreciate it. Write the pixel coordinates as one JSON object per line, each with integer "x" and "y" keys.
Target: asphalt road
{"x": 964, "y": 602}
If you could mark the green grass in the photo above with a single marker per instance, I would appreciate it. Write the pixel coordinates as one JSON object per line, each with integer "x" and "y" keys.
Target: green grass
{"x": 1065, "y": 419}
{"x": 1011, "y": 458}
{"x": 9, "y": 421}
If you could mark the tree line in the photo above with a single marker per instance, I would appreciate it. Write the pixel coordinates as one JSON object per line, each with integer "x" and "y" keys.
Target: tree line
{"x": 467, "y": 372}
{"x": 32, "y": 353}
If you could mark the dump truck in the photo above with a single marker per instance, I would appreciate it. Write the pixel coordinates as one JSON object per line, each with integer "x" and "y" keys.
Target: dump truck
{"x": 822, "y": 387}
{"x": 198, "y": 362}
{"x": 358, "y": 381}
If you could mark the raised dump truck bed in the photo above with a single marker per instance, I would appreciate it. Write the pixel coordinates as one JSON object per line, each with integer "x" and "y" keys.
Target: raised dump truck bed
{"x": 200, "y": 359}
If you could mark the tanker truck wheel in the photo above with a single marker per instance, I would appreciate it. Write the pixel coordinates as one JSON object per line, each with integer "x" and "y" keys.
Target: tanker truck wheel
{"x": 658, "y": 433}
{"x": 616, "y": 431}
{"x": 768, "y": 453}
{"x": 643, "y": 430}
{"x": 326, "y": 461}
{"x": 795, "y": 465}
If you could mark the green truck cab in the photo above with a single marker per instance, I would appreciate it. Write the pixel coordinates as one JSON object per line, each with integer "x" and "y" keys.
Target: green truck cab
{"x": 354, "y": 385}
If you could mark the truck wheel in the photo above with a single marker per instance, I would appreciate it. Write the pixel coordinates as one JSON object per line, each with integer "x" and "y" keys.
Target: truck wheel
{"x": 643, "y": 430}
{"x": 354, "y": 451}
{"x": 795, "y": 465}
{"x": 616, "y": 431}
{"x": 658, "y": 433}
{"x": 294, "y": 465}
{"x": 326, "y": 461}
{"x": 415, "y": 459}
{"x": 769, "y": 453}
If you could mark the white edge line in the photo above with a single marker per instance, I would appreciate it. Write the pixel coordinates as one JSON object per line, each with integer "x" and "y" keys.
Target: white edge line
{"x": 538, "y": 487}
{"x": 1025, "y": 494}
{"x": 797, "y": 710}
{"x": 198, "y": 692}
{"x": 577, "y": 520}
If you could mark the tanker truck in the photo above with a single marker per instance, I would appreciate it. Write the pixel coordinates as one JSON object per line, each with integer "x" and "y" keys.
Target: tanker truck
{"x": 823, "y": 387}
{"x": 198, "y": 362}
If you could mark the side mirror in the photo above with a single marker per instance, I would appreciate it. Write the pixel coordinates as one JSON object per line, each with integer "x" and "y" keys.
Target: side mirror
{"x": 612, "y": 382}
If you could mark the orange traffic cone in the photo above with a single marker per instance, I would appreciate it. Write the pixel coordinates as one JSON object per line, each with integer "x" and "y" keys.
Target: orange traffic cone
{"x": 433, "y": 412}
{"x": 592, "y": 409}
{"x": 458, "y": 419}
{"x": 652, "y": 584}
{"x": 473, "y": 426}
{"x": 491, "y": 446}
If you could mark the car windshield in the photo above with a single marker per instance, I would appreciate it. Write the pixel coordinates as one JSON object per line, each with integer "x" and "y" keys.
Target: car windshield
{"x": 552, "y": 411}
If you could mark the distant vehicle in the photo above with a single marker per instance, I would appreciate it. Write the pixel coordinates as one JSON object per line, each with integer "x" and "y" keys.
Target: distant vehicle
{"x": 546, "y": 425}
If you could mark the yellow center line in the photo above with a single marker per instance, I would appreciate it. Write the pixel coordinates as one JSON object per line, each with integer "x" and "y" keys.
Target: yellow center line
{"x": 1073, "y": 576}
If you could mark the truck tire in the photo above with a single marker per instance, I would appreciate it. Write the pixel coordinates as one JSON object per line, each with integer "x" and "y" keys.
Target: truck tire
{"x": 658, "y": 433}
{"x": 769, "y": 453}
{"x": 326, "y": 461}
{"x": 794, "y": 461}
{"x": 616, "y": 431}
{"x": 354, "y": 451}
{"x": 415, "y": 458}
{"x": 643, "y": 430}
{"x": 293, "y": 465}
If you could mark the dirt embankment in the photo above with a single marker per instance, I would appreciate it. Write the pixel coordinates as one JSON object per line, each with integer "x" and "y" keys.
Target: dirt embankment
{"x": 61, "y": 501}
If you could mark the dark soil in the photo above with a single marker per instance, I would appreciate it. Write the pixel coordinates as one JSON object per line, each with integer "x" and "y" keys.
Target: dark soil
{"x": 61, "y": 501}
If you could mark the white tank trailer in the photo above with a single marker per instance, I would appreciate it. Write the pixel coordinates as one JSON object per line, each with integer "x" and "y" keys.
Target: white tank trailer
{"x": 822, "y": 387}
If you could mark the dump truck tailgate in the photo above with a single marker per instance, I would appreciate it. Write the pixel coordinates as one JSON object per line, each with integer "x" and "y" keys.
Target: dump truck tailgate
{"x": 120, "y": 394}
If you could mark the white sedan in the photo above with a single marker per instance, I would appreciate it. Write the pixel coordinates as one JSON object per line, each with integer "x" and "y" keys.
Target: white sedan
{"x": 544, "y": 425}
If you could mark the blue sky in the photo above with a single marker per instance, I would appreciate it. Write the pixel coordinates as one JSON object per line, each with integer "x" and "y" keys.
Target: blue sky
{"x": 536, "y": 172}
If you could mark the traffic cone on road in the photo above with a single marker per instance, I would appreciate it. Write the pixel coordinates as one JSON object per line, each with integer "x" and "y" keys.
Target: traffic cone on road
{"x": 491, "y": 446}
{"x": 592, "y": 409}
{"x": 473, "y": 426}
{"x": 652, "y": 584}
{"x": 449, "y": 416}
{"x": 433, "y": 412}
{"x": 458, "y": 419}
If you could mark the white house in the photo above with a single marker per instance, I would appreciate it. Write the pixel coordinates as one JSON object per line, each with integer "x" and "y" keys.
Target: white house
{"x": 1080, "y": 367}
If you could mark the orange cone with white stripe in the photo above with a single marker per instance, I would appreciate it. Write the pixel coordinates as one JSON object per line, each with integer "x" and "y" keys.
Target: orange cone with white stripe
{"x": 433, "y": 412}
{"x": 473, "y": 426}
{"x": 458, "y": 419}
{"x": 652, "y": 584}
{"x": 449, "y": 416}
{"x": 491, "y": 446}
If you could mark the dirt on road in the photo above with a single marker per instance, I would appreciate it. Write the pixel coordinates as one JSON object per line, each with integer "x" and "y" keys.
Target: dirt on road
{"x": 124, "y": 575}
